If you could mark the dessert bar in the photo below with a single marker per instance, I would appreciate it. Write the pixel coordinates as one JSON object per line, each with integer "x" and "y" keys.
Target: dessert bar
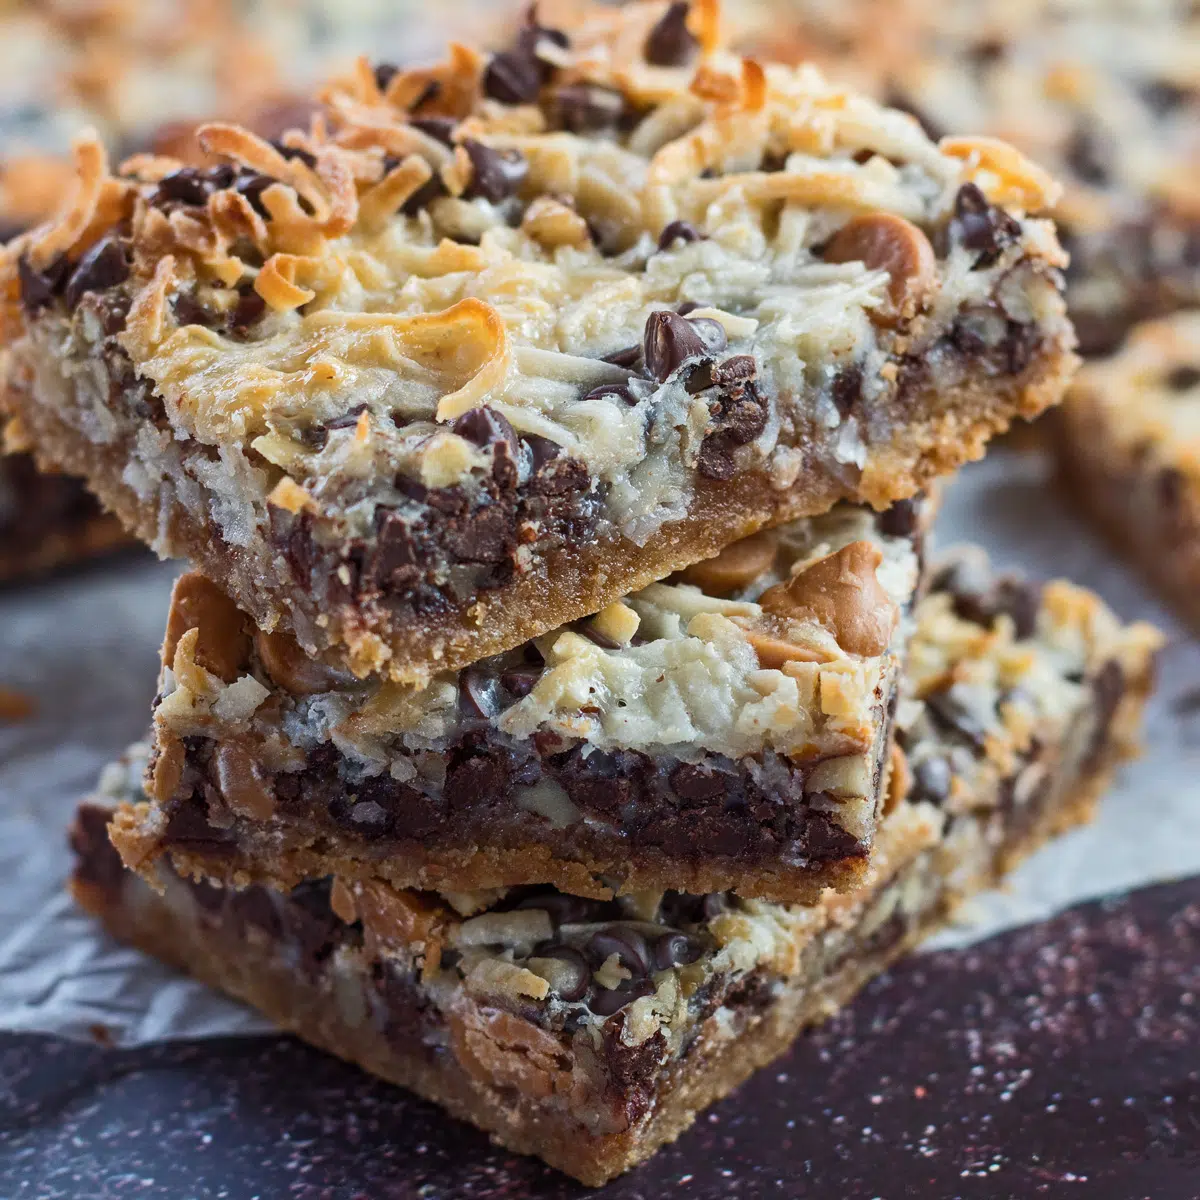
{"x": 729, "y": 728}
{"x": 1128, "y": 451}
{"x": 494, "y": 343}
{"x": 1104, "y": 95}
{"x": 590, "y": 1032}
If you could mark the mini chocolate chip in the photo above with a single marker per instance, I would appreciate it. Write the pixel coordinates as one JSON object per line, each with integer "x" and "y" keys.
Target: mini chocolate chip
{"x": 432, "y": 189}
{"x": 981, "y": 226}
{"x": 513, "y": 77}
{"x": 898, "y": 521}
{"x": 624, "y": 358}
{"x": 670, "y": 340}
{"x": 951, "y": 715}
{"x": 676, "y": 950}
{"x": 252, "y": 186}
{"x": 296, "y": 152}
{"x": 484, "y": 426}
{"x": 1183, "y": 378}
{"x": 627, "y": 944}
{"x": 574, "y": 985}
{"x": 520, "y": 682}
{"x": 605, "y": 1002}
{"x": 385, "y": 72}
{"x": 477, "y": 693}
{"x": 678, "y": 231}
{"x": 542, "y": 450}
{"x": 189, "y": 311}
{"x": 670, "y": 43}
{"x": 618, "y": 391}
{"x": 589, "y": 107}
{"x": 189, "y": 185}
{"x": 441, "y": 129}
{"x": 495, "y": 174}
{"x": 247, "y": 312}
{"x": 39, "y": 288}
{"x": 931, "y": 780}
{"x": 101, "y": 268}
{"x": 563, "y": 909}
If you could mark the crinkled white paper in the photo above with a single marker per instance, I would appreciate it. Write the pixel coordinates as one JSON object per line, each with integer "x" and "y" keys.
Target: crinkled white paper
{"x": 84, "y": 648}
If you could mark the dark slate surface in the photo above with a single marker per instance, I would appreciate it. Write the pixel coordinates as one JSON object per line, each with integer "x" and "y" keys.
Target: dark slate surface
{"x": 1062, "y": 1059}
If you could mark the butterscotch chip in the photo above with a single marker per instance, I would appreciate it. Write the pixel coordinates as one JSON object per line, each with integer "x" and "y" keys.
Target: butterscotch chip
{"x": 241, "y": 784}
{"x": 886, "y": 242}
{"x": 736, "y": 567}
{"x": 224, "y": 645}
{"x": 841, "y": 592}
{"x": 291, "y": 668}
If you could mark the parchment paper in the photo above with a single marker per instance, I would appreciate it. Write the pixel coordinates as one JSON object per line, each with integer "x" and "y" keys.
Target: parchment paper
{"x": 83, "y": 647}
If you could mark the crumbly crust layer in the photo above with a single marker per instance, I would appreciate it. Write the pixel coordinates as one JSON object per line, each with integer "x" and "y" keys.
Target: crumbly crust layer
{"x": 1128, "y": 450}
{"x": 520, "y": 325}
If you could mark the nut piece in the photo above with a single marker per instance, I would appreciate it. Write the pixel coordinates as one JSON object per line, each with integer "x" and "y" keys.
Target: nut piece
{"x": 292, "y": 669}
{"x": 775, "y": 653}
{"x": 886, "y": 242}
{"x": 736, "y": 567}
{"x": 842, "y": 593}
{"x": 223, "y": 646}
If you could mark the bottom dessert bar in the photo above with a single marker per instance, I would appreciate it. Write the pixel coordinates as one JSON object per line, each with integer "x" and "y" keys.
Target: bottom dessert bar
{"x": 591, "y": 1032}
{"x": 49, "y": 521}
{"x": 1127, "y": 441}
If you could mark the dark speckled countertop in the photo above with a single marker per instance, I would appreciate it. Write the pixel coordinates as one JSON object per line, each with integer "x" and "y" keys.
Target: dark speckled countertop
{"x": 1059, "y": 1060}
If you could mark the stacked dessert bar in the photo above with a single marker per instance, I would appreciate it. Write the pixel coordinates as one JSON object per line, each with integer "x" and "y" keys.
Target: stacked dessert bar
{"x": 554, "y": 720}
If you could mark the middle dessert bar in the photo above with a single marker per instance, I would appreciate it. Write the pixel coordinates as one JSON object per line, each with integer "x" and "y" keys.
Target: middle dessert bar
{"x": 727, "y": 729}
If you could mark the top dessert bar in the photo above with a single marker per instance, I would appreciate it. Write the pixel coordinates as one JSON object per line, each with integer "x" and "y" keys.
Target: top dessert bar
{"x": 496, "y": 342}
{"x": 1106, "y": 95}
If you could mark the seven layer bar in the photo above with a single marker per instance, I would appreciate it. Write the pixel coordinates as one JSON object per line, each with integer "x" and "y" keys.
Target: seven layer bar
{"x": 494, "y": 343}
{"x": 729, "y": 729}
{"x": 589, "y": 1032}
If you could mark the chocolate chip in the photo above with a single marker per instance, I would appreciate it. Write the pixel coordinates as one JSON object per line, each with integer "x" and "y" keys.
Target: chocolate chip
{"x": 846, "y": 389}
{"x": 432, "y": 189}
{"x": 618, "y": 391}
{"x": 573, "y": 984}
{"x": 296, "y": 152}
{"x": 981, "y": 226}
{"x": 1089, "y": 155}
{"x": 736, "y": 372}
{"x": 247, "y": 312}
{"x": 588, "y": 630}
{"x": 256, "y": 906}
{"x": 678, "y": 231}
{"x": 670, "y": 340}
{"x": 952, "y": 716}
{"x": 1183, "y": 378}
{"x": 520, "y": 682}
{"x": 542, "y": 451}
{"x": 900, "y": 520}
{"x": 676, "y": 950}
{"x": 191, "y": 186}
{"x": 1011, "y": 595}
{"x": 385, "y": 72}
{"x": 477, "y": 693}
{"x": 824, "y": 840}
{"x": 513, "y": 77}
{"x": 102, "y": 267}
{"x": 441, "y": 129}
{"x": 484, "y": 426}
{"x": 39, "y": 288}
{"x": 931, "y": 779}
{"x": 624, "y": 358}
{"x": 189, "y": 311}
{"x": 1108, "y": 687}
{"x": 563, "y": 909}
{"x": 252, "y": 185}
{"x": 1164, "y": 97}
{"x": 605, "y": 1002}
{"x": 495, "y": 174}
{"x": 627, "y": 944}
{"x": 589, "y": 107}
{"x": 670, "y": 43}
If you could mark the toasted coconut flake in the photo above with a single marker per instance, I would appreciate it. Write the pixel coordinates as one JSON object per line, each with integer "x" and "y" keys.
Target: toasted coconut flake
{"x": 382, "y": 201}
{"x": 276, "y": 282}
{"x": 1020, "y": 181}
{"x": 66, "y": 230}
